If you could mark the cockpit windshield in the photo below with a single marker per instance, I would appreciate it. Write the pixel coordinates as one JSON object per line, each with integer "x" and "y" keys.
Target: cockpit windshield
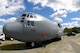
{"x": 30, "y": 15}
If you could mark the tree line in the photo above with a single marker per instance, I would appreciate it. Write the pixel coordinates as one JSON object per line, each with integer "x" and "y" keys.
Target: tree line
{"x": 75, "y": 29}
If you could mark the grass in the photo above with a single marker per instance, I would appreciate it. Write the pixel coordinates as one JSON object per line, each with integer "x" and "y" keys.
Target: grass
{"x": 19, "y": 46}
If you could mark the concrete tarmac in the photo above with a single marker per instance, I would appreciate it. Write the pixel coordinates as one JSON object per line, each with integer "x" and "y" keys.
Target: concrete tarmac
{"x": 69, "y": 44}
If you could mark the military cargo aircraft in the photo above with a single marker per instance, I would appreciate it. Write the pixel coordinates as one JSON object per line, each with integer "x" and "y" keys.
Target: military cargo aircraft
{"x": 32, "y": 28}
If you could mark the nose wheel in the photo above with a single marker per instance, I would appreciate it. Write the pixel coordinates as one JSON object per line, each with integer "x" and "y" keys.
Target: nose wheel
{"x": 30, "y": 44}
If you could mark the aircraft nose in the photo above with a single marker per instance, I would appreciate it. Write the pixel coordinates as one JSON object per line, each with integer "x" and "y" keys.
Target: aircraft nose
{"x": 12, "y": 27}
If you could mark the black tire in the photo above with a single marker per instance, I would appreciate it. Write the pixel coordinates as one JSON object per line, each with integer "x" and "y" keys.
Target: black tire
{"x": 28, "y": 44}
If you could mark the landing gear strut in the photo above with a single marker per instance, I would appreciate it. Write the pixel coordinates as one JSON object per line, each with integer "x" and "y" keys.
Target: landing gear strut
{"x": 59, "y": 38}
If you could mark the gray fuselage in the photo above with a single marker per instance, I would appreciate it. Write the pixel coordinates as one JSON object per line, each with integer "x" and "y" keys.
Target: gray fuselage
{"x": 31, "y": 27}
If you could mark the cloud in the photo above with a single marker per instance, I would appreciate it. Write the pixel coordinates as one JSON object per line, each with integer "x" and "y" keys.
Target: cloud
{"x": 8, "y": 20}
{"x": 77, "y": 19}
{"x": 11, "y": 19}
{"x": 70, "y": 24}
{"x": 59, "y": 13}
{"x": 60, "y": 7}
{"x": 34, "y": 1}
{"x": 37, "y": 8}
{"x": 58, "y": 20}
{"x": 2, "y": 20}
{"x": 69, "y": 5}
{"x": 10, "y": 6}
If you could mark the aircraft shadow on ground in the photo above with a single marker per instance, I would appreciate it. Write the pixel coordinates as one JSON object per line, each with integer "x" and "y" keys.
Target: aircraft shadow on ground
{"x": 22, "y": 46}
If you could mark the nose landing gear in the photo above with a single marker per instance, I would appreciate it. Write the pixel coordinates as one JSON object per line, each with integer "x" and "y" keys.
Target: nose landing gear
{"x": 31, "y": 44}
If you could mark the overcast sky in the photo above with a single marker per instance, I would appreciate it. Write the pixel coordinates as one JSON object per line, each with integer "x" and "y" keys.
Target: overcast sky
{"x": 66, "y": 12}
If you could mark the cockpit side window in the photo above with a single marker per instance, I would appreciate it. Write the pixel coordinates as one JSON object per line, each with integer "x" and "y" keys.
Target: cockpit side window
{"x": 27, "y": 15}
{"x": 22, "y": 17}
{"x": 23, "y": 14}
{"x": 30, "y": 23}
{"x": 35, "y": 16}
{"x": 31, "y": 16}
